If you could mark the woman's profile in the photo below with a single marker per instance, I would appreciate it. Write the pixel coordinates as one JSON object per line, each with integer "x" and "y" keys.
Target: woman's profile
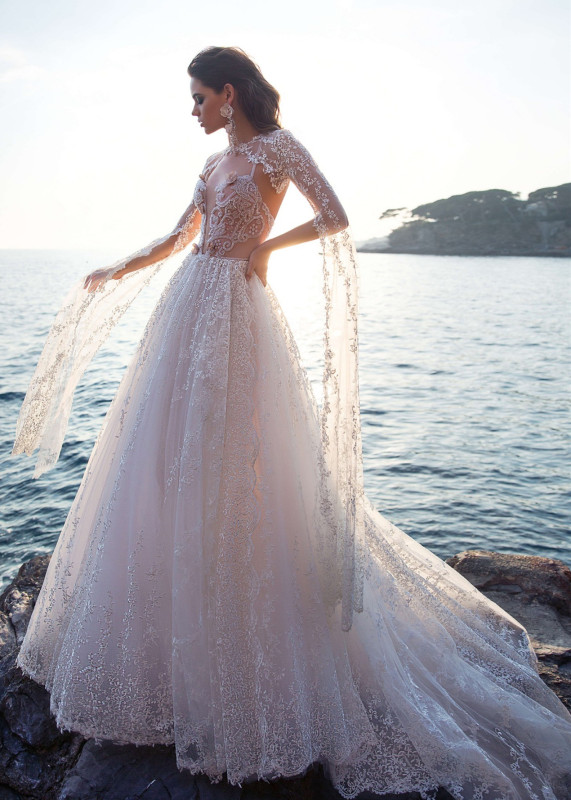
{"x": 222, "y": 582}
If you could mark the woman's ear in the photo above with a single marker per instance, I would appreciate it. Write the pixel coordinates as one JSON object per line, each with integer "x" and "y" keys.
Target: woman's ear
{"x": 229, "y": 92}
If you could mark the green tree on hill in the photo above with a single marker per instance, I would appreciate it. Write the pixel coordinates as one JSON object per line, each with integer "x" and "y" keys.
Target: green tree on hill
{"x": 488, "y": 222}
{"x": 472, "y": 207}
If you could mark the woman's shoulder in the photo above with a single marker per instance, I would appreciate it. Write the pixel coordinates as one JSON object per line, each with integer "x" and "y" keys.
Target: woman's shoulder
{"x": 283, "y": 157}
{"x": 282, "y": 137}
{"x": 272, "y": 150}
{"x": 287, "y": 147}
{"x": 283, "y": 148}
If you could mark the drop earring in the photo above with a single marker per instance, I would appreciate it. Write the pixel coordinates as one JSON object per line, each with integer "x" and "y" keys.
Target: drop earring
{"x": 227, "y": 111}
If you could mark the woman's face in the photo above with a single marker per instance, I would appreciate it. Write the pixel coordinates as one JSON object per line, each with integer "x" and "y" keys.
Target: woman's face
{"x": 207, "y": 104}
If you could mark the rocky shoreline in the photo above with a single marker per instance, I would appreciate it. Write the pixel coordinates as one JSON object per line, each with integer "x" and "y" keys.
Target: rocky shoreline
{"x": 39, "y": 762}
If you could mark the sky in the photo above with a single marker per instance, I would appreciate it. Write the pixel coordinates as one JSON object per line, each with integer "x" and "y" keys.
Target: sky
{"x": 399, "y": 101}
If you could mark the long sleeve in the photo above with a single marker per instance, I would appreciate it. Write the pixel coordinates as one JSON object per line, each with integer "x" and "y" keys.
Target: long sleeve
{"x": 187, "y": 227}
{"x": 82, "y": 324}
{"x": 160, "y": 249}
{"x": 297, "y": 164}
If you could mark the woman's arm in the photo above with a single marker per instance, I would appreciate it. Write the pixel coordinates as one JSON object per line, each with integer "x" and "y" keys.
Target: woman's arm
{"x": 330, "y": 216}
{"x": 258, "y": 260}
{"x": 183, "y": 233}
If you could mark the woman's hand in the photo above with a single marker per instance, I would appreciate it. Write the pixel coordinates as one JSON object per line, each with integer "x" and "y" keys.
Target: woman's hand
{"x": 258, "y": 263}
{"x": 95, "y": 279}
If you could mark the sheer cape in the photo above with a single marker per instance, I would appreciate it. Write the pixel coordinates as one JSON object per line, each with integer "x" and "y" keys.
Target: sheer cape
{"x": 85, "y": 320}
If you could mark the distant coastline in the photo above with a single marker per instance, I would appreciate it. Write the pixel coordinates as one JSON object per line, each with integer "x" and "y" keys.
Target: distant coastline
{"x": 494, "y": 222}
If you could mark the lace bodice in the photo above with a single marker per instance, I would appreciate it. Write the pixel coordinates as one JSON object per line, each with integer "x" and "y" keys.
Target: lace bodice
{"x": 231, "y": 200}
{"x": 238, "y": 215}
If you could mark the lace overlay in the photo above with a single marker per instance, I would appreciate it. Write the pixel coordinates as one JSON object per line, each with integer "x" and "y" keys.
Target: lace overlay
{"x": 82, "y": 324}
{"x": 239, "y": 213}
{"x": 223, "y": 584}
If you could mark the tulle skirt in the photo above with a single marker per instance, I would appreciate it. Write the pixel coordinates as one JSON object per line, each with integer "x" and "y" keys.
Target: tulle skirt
{"x": 192, "y": 597}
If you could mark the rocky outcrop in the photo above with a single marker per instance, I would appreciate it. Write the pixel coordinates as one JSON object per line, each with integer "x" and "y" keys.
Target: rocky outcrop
{"x": 493, "y": 222}
{"x": 537, "y": 592}
{"x": 39, "y": 762}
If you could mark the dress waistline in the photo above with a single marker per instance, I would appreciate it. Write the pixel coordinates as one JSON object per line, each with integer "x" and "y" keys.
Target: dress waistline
{"x": 222, "y": 260}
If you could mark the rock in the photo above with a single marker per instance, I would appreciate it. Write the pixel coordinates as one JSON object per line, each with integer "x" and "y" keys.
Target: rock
{"x": 17, "y": 600}
{"x": 537, "y": 592}
{"x": 34, "y": 753}
{"x": 39, "y": 762}
{"x": 117, "y": 773}
{"x": 8, "y": 794}
{"x": 546, "y": 580}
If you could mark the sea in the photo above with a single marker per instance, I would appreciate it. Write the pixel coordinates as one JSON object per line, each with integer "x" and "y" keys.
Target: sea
{"x": 465, "y": 388}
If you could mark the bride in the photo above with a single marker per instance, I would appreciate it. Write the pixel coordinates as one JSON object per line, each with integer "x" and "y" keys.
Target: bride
{"x": 221, "y": 581}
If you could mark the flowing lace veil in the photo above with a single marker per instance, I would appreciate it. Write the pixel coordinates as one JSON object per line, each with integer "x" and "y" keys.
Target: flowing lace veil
{"x": 86, "y": 319}
{"x": 340, "y": 412}
{"x": 83, "y": 322}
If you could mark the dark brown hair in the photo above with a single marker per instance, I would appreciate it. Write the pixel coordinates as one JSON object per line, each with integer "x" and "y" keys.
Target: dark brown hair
{"x": 260, "y": 102}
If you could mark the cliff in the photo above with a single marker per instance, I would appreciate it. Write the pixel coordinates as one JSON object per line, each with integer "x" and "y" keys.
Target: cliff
{"x": 39, "y": 762}
{"x": 484, "y": 223}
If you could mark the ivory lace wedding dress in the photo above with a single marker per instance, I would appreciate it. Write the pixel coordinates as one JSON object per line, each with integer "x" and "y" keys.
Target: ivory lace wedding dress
{"x": 223, "y": 584}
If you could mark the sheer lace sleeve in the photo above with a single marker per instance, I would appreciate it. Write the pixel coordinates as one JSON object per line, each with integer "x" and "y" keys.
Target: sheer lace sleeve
{"x": 81, "y": 325}
{"x": 187, "y": 227}
{"x": 340, "y": 413}
{"x": 296, "y": 163}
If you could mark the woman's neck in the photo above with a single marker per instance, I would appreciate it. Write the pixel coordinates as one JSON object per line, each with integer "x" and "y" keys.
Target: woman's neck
{"x": 244, "y": 131}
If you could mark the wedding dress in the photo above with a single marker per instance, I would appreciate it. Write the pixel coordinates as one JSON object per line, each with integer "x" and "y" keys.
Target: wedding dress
{"x": 223, "y": 584}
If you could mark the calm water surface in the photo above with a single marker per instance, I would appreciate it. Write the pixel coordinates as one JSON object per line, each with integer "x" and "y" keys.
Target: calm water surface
{"x": 465, "y": 389}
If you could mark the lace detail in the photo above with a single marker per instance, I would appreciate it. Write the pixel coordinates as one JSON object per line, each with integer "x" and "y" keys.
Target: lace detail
{"x": 283, "y": 158}
{"x": 238, "y": 215}
{"x": 82, "y": 324}
{"x": 221, "y": 581}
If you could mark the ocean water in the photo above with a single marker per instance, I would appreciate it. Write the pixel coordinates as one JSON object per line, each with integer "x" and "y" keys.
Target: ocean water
{"x": 465, "y": 390}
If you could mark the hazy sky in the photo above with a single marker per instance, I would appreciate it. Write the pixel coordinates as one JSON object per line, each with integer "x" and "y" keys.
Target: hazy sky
{"x": 399, "y": 101}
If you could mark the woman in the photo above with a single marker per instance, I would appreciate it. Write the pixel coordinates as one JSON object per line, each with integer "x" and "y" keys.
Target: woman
{"x": 221, "y": 581}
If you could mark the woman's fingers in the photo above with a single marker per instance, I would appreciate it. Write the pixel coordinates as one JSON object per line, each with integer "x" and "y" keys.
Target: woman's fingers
{"x": 95, "y": 279}
{"x": 257, "y": 263}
